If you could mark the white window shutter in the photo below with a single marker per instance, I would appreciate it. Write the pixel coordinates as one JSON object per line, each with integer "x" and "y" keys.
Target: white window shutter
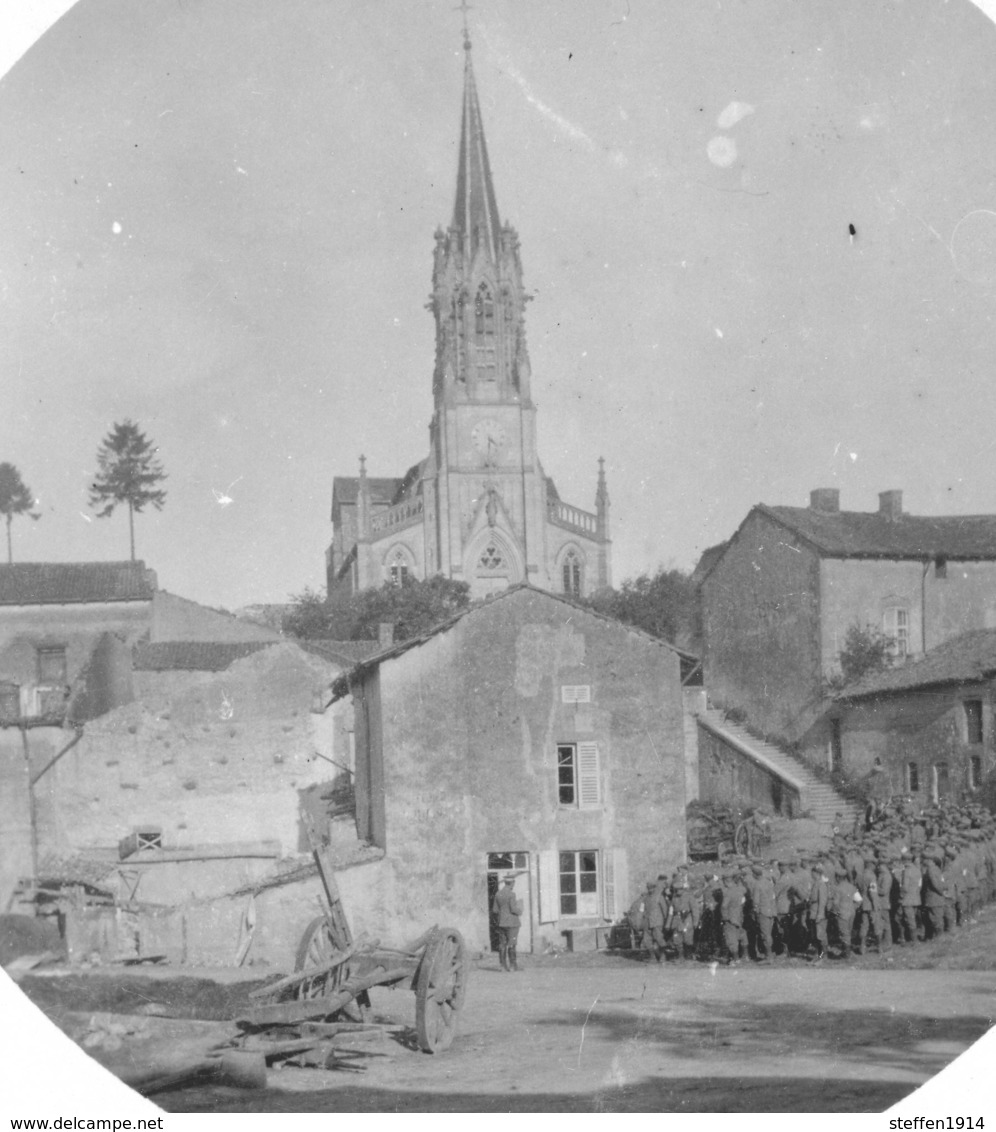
{"x": 620, "y": 877}
{"x": 589, "y": 792}
{"x": 608, "y": 884}
{"x": 549, "y": 886}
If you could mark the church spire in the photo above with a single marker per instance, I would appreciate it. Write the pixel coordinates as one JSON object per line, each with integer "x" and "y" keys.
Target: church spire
{"x": 475, "y": 213}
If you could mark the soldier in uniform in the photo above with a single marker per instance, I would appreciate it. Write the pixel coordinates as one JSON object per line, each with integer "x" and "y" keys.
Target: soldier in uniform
{"x": 935, "y": 893}
{"x": 734, "y": 897}
{"x": 910, "y": 883}
{"x": 656, "y": 917}
{"x": 508, "y": 908}
{"x": 683, "y": 917}
{"x": 817, "y": 912}
{"x": 783, "y": 909}
{"x": 762, "y": 899}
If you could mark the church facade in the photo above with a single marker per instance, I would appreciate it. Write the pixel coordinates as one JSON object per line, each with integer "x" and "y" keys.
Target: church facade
{"x": 479, "y": 508}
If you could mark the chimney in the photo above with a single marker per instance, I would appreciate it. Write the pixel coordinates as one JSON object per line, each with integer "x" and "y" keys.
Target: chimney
{"x": 824, "y": 499}
{"x": 385, "y": 634}
{"x": 890, "y": 504}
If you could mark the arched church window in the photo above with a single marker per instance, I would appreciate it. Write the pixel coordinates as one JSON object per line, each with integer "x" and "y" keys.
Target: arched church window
{"x": 397, "y": 568}
{"x": 491, "y": 558}
{"x": 572, "y": 574}
{"x": 484, "y": 313}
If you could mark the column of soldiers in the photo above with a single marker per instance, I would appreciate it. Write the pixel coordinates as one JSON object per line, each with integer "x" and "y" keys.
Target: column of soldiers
{"x": 897, "y": 879}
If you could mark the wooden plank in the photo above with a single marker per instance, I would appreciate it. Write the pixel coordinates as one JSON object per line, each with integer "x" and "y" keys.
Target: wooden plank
{"x": 302, "y": 976}
{"x": 299, "y": 1011}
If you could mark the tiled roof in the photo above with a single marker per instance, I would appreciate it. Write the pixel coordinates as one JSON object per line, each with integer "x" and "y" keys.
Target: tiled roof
{"x": 51, "y": 583}
{"x": 861, "y": 534}
{"x": 346, "y": 653}
{"x": 964, "y": 659}
{"x": 193, "y": 656}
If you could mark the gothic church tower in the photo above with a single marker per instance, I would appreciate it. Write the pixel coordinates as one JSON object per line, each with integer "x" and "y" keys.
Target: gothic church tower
{"x": 479, "y": 507}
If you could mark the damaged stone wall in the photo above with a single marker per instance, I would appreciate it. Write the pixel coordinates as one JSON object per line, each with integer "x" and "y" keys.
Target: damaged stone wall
{"x": 210, "y": 758}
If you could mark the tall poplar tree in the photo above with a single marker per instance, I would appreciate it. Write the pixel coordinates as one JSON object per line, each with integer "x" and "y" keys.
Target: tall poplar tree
{"x": 16, "y": 498}
{"x": 127, "y": 472}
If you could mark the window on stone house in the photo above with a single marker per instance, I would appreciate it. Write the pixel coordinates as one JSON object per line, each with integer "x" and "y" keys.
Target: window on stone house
{"x": 578, "y": 785}
{"x": 572, "y": 574}
{"x": 975, "y": 772}
{"x": 973, "y": 720}
{"x": 940, "y": 567}
{"x": 896, "y": 626}
{"x": 52, "y": 666}
{"x": 579, "y": 895}
{"x": 912, "y": 778}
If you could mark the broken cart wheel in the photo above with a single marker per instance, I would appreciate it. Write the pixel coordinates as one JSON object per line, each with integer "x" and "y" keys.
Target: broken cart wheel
{"x": 317, "y": 949}
{"x": 440, "y": 986}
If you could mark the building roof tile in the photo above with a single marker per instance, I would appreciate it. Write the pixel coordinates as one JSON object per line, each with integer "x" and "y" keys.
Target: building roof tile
{"x": 193, "y": 656}
{"x": 64, "y": 583}
{"x": 967, "y": 658}
{"x": 861, "y": 534}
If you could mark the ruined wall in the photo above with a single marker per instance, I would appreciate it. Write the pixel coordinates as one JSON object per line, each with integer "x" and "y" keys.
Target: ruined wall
{"x": 923, "y": 727}
{"x": 471, "y": 723}
{"x": 760, "y": 614}
{"x": 178, "y": 619}
{"x": 209, "y": 757}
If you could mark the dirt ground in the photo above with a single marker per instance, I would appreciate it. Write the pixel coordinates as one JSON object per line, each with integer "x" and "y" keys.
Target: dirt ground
{"x": 583, "y": 1032}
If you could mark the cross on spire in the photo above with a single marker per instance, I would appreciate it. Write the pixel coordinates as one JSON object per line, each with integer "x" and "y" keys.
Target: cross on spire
{"x": 464, "y": 7}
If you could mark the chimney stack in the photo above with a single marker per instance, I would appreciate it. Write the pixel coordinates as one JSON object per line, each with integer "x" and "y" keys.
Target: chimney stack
{"x": 890, "y": 504}
{"x": 824, "y": 499}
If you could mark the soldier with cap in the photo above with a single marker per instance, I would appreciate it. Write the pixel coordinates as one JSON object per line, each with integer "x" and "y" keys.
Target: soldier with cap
{"x": 762, "y": 899}
{"x": 817, "y": 912}
{"x": 683, "y": 916}
{"x": 935, "y": 892}
{"x": 508, "y": 908}
{"x": 732, "y": 910}
{"x": 656, "y": 914}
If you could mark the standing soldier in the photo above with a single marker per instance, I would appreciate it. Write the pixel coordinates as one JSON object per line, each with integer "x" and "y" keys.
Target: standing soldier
{"x": 508, "y": 908}
{"x": 843, "y": 903}
{"x": 935, "y": 893}
{"x": 910, "y": 883}
{"x": 783, "y": 909}
{"x": 732, "y": 910}
{"x": 887, "y": 892}
{"x": 657, "y": 916}
{"x": 683, "y": 917}
{"x": 637, "y": 916}
{"x": 762, "y": 896}
{"x": 817, "y": 912}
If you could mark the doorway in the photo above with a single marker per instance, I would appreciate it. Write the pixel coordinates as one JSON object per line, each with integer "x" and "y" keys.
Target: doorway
{"x": 941, "y": 784}
{"x": 499, "y": 864}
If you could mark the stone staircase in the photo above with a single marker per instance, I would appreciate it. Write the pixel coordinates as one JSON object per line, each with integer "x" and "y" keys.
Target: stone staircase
{"x": 819, "y": 798}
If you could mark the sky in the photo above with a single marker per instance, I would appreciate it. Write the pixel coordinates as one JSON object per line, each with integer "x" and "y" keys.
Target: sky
{"x": 217, "y": 220}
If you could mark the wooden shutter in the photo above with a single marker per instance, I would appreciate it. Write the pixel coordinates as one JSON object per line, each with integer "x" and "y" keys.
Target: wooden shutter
{"x": 589, "y": 792}
{"x": 608, "y": 885}
{"x": 620, "y": 873}
{"x": 549, "y": 886}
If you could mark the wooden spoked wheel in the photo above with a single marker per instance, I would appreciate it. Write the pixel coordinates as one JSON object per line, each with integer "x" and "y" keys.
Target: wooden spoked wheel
{"x": 315, "y": 950}
{"x": 440, "y": 987}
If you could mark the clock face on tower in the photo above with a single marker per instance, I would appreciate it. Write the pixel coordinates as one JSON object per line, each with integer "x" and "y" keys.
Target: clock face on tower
{"x": 488, "y": 438}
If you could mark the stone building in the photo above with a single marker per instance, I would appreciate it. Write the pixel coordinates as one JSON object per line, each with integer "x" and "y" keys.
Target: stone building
{"x": 479, "y": 507}
{"x": 926, "y": 728}
{"x": 527, "y": 735}
{"x": 778, "y": 598}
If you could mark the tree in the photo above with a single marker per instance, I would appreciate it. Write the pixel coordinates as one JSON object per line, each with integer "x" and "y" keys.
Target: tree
{"x": 16, "y": 498}
{"x": 866, "y": 649}
{"x": 664, "y": 604}
{"x": 413, "y": 608}
{"x": 127, "y": 472}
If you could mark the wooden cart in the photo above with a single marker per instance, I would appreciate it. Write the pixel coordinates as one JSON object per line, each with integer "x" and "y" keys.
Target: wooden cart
{"x": 328, "y": 994}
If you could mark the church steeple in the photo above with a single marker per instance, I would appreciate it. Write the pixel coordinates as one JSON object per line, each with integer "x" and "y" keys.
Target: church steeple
{"x": 477, "y": 296}
{"x": 475, "y": 212}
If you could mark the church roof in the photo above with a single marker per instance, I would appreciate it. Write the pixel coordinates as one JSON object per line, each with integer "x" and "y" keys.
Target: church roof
{"x": 476, "y": 209}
